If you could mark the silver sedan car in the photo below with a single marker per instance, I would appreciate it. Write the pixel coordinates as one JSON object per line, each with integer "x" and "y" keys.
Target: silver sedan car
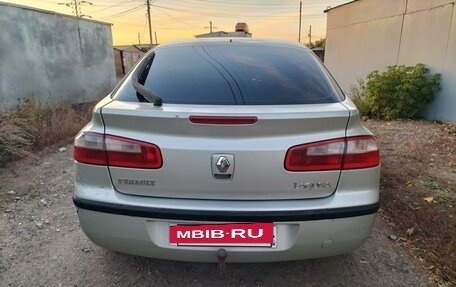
{"x": 240, "y": 147}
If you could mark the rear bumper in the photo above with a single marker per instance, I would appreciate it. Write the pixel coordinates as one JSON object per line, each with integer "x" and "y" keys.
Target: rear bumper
{"x": 300, "y": 234}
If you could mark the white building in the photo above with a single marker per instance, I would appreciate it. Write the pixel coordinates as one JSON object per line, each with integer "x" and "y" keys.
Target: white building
{"x": 367, "y": 35}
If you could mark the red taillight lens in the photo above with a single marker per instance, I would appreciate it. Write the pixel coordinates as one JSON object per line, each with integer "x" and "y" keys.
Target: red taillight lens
{"x": 125, "y": 152}
{"x": 362, "y": 152}
{"x": 99, "y": 149}
{"x": 325, "y": 155}
{"x": 344, "y": 153}
{"x": 89, "y": 148}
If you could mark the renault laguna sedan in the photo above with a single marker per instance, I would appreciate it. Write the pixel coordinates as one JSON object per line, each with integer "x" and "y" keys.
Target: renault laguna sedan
{"x": 243, "y": 146}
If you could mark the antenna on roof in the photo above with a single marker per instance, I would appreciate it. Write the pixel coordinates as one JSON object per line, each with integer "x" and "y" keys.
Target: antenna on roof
{"x": 210, "y": 27}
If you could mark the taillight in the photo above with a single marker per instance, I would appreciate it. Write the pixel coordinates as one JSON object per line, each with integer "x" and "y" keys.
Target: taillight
{"x": 343, "y": 153}
{"x": 325, "y": 155}
{"x": 89, "y": 148}
{"x": 362, "y": 152}
{"x": 99, "y": 149}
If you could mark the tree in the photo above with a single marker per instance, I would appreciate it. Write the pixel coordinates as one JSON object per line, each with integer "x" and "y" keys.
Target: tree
{"x": 317, "y": 44}
{"x": 320, "y": 43}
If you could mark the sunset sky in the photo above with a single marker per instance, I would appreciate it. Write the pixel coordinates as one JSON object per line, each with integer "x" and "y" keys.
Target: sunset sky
{"x": 182, "y": 19}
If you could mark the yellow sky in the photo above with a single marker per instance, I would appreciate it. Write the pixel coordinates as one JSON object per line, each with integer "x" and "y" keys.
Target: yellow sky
{"x": 182, "y": 19}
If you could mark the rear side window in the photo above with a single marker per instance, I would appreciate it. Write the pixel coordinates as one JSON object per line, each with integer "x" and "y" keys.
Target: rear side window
{"x": 233, "y": 73}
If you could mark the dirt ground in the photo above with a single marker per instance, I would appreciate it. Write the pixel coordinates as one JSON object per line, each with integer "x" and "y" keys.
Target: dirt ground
{"x": 41, "y": 244}
{"x": 418, "y": 190}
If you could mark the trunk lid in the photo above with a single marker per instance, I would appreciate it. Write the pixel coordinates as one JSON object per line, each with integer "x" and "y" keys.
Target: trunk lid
{"x": 255, "y": 152}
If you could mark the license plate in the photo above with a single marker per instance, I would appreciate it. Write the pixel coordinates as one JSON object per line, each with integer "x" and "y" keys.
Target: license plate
{"x": 233, "y": 234}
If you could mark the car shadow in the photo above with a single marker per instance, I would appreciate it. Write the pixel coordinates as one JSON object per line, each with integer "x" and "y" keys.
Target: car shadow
{"x": 379, "y": 262}
{"x": 315, "y": 272}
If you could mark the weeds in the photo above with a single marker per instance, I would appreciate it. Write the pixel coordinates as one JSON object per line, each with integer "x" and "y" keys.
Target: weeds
{"x": 433, "y": 185}
{"x": 16, "y": 138}
{"x": 33, "y": 126}
{"x": 450, "y": 129}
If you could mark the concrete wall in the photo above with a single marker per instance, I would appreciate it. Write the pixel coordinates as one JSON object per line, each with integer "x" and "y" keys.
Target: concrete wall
{"x": 368, "y": 35}
{"x": 53, "y": 57}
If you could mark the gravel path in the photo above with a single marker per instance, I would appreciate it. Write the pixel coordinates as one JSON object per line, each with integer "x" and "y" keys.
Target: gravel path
{"x": 41, "y": 244}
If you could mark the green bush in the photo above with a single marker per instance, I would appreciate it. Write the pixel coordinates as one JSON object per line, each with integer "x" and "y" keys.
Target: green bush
{"x": 356, "y": 93}
{"x": 398, "y": 93}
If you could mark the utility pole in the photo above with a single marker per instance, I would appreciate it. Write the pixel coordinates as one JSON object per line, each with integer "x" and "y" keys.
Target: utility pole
{"x": 300, "y": 18}
{"x": 310, "y": 35}
{"x": 150, "y": 24}
{"x": 156, "y": 42}
{"x": 139, "y": 38}
{"x": 76, "y": 8}
{"x": 210, "y": 27}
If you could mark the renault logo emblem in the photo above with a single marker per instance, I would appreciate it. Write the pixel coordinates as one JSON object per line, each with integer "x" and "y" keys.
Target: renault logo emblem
{"x": 222, "y": 164}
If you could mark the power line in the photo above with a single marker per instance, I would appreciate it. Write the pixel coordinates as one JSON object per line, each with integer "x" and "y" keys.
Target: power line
{"x": 76, "y": 7}
{"x": 129, "y": 24}
{"x": 169, "y": 15}
{"x": 115, "y": 5}
{"x": 214, "y": 6}
{"x": 246, "y": 3}
{"x": 258, "y": 4}
{"x": 190, "y": 9}
{"x": 144, "y": 29}
{"x": 126, "y": 12}
{"x": 232, "y": 15}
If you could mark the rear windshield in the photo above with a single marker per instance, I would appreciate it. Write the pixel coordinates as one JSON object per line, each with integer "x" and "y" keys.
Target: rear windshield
{"x": 236, "y": 74}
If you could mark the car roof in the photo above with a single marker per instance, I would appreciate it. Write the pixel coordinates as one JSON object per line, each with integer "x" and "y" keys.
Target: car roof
{"x": 230, "y": 40}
